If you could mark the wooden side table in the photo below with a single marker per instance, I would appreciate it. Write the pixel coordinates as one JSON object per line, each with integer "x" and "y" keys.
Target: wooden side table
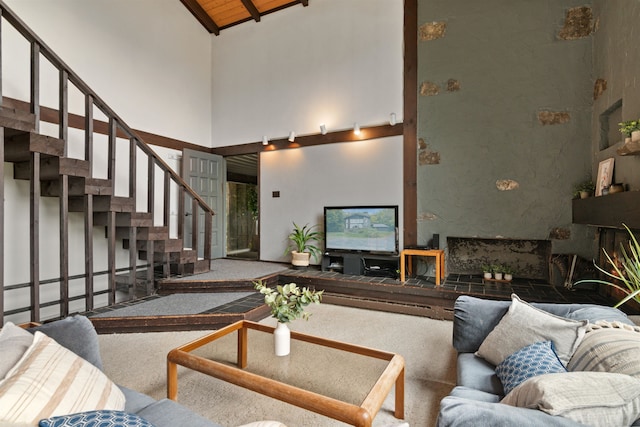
{"x": 437, "y": 253}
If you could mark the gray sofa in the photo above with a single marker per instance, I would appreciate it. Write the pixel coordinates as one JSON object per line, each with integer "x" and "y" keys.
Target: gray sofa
{"x": 77, "y": 334}
{"x": 475, "y": 401}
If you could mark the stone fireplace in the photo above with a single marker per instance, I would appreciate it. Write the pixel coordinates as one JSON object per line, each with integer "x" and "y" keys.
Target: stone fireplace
{"x": 530, "y": 259}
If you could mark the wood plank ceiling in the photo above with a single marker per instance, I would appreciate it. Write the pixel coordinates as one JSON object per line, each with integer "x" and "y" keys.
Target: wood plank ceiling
{"x": 217, "y": 15}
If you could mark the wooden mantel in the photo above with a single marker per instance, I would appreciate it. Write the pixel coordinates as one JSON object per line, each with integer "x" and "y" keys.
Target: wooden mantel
{"x": 611, "y": 210}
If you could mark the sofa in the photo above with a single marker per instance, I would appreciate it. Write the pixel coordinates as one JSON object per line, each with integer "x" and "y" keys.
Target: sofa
{"x": 521, "y": 364}
{"x": 55, "y": 369}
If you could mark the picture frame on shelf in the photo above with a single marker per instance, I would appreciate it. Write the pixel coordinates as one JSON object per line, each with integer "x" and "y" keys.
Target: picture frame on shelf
{"x": 605, "y": 175}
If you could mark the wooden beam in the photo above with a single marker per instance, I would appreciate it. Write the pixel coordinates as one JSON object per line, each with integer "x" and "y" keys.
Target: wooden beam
{"x": 251, "y": 8}
{"x": 202, "y": 16}
{"x": 366, "y": 133}
{"x": 410, "y": 129}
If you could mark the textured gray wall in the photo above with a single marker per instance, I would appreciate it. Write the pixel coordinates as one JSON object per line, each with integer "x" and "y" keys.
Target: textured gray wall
{"x": 616, "y": 52}
{"x": 499, "y": 64}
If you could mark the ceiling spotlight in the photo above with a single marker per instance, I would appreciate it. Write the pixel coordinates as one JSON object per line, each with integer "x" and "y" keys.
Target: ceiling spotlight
{"x": 292, "y": 136}
{"x": 265, "y": 140}
{"x": 323, "y": 129}
{"x": 392, "y": 119}
{"x": 356, "y": 128}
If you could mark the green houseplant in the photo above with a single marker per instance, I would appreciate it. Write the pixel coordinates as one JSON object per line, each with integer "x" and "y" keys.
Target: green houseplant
{"x": 625, "y": 272}
{"x": 629, "y": 126}
{"x": 584, "y": 189}
{"x": 287, "y": 303}
{"x": 302, "y": 244}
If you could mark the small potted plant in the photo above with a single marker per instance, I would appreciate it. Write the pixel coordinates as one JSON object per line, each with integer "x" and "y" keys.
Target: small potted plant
{"x": 508, "y": 273}
{"x": 584, "y": 189}
{"x": 486, "y": 271}
{"x": 287, "y": 303}
{"x": 497, "y": 271}
{"x": 302, "y": 244}
{"x": 630, "y": 129}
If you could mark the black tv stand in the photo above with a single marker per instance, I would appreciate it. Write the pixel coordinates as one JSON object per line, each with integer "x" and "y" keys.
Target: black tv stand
{"x": 361, "y": 264}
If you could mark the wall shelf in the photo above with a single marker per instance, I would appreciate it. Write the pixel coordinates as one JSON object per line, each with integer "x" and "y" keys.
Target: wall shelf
{"x": 610, "y": 211}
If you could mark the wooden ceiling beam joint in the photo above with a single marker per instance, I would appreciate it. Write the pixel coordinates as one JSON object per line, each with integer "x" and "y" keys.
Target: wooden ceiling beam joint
{"x": 252, "y": 9}
{"x": 202, "y": 16}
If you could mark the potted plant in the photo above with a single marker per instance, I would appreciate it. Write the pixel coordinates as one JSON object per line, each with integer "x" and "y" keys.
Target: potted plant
{"x": 625, "y": 272}
{"x": 630, "y": 129}
{"x": 497, "y": 271}
{"x": 287, "y": 303}
{"x": 584, "y": 189}
{"x": 508, "y": 273}
{"x": 302, "y": 244}
{"x": 486, "y": 271}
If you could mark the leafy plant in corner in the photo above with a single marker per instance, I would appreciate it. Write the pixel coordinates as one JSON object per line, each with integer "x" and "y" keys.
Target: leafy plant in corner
{"x": 626, "y": 271}
{"x": 303, "y": 239}
{"x": 287, "y": 302}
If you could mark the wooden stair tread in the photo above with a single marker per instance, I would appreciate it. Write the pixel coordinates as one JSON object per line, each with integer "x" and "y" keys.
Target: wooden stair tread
{"x": 16, "y": 120}
{"x": 19, "y": 147}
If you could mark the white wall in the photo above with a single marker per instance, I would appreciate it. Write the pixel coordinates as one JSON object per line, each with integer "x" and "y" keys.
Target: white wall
{"x": 334, "y": 62}
{"x": 150, "y": 61}
{"x": 345, "y": 174}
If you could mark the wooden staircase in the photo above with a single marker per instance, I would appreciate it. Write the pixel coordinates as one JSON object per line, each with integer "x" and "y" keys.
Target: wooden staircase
{"x": 155, "y": 249}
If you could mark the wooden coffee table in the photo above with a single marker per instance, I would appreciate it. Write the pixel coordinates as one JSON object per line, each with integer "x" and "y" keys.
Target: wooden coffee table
{"x": 268, "y": 379}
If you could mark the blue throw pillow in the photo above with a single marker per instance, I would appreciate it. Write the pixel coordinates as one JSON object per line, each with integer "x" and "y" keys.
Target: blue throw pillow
{"x": 530, "y": 361}
{"x": 102, "y": 418}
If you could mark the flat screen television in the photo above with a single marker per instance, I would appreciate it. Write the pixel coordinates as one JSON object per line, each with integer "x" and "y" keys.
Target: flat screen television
{"x": 371, "y": 229}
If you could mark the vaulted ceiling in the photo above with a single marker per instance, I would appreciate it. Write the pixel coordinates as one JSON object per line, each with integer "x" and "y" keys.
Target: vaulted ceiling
{"x": 217, "y": 15}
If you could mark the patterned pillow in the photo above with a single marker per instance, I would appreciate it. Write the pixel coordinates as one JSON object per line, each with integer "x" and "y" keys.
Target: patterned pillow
{"x": 609, "y": 348}
{"x": 597, "y": 399}
{"x": 97, "y": 418}
{"x": 533, "y": 360}
{"x": 50, "y": 380}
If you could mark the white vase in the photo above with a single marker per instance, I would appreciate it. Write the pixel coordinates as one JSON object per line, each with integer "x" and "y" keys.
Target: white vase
{"x": 497, "y": 276}
{"x": 635, "y": 135}
{"x": 487, "y": 275}
{"x": 508, "y": 277}
{"x": 282, "y": 339}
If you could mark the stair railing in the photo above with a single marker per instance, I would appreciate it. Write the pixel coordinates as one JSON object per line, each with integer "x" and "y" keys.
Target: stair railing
{"x": 117, "y": 128}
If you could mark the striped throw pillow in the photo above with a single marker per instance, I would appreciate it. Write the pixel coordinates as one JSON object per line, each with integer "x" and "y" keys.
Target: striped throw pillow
{"x": 50, "y": 380}
{"x": 608, "y": 349}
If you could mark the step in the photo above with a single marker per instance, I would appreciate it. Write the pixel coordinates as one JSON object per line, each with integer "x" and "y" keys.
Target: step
{"x": 104, "y": 204}
{"x": 78, "y": 187}
{"x": 19, "y": 147}
{"x": 163, "y": 246}
{"x": 200, "y": 266}
{"x": 51, "y": 168}
{"x": 15, "y": 121}
{"x": 125, "y": 219}
{"x": 144, "y": 233}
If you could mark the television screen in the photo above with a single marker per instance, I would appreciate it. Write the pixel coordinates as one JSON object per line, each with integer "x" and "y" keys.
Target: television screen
{"x": 361, "y": 229}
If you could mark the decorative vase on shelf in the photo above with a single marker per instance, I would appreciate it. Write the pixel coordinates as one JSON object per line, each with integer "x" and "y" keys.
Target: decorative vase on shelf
{"x": 508, "y": 277}
{"x": 635, "y": 135}
{"x": 487, "y": 275}
{"x": 497, "y": 276}
{"x": 282, "y": 339}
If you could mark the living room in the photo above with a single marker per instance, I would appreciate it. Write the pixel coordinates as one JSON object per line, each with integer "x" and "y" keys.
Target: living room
{"x": 479, "y": 179}
{"x": 534, "y": 83}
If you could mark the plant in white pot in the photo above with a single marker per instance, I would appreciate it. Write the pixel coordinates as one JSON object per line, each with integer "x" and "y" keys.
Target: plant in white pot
{"x": 486, "y": 271}
{"x": 630, "y": 129}
{"x": 287, "y": 303}
{"x": 497, "y": 271}
{"x": 302, "y": 244}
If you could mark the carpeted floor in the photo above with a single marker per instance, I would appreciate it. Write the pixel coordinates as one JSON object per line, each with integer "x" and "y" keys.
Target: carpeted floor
{"x": 138, "y": 361}
{"x": 234, "y": 269}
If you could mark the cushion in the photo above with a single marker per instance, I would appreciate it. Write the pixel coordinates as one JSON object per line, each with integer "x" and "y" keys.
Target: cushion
{"x": 14, "y": 342}
{"x": 50, "y": 380}
{"x": 609, "y": 349}
{"x": 523, "y": 325}
{"x": 592, "y": 398}
{"x": 476, "y": 373}
{"x": 96, "y": 418}
{"x": 77, "y": 334}
{"x": 530, "y": 361}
